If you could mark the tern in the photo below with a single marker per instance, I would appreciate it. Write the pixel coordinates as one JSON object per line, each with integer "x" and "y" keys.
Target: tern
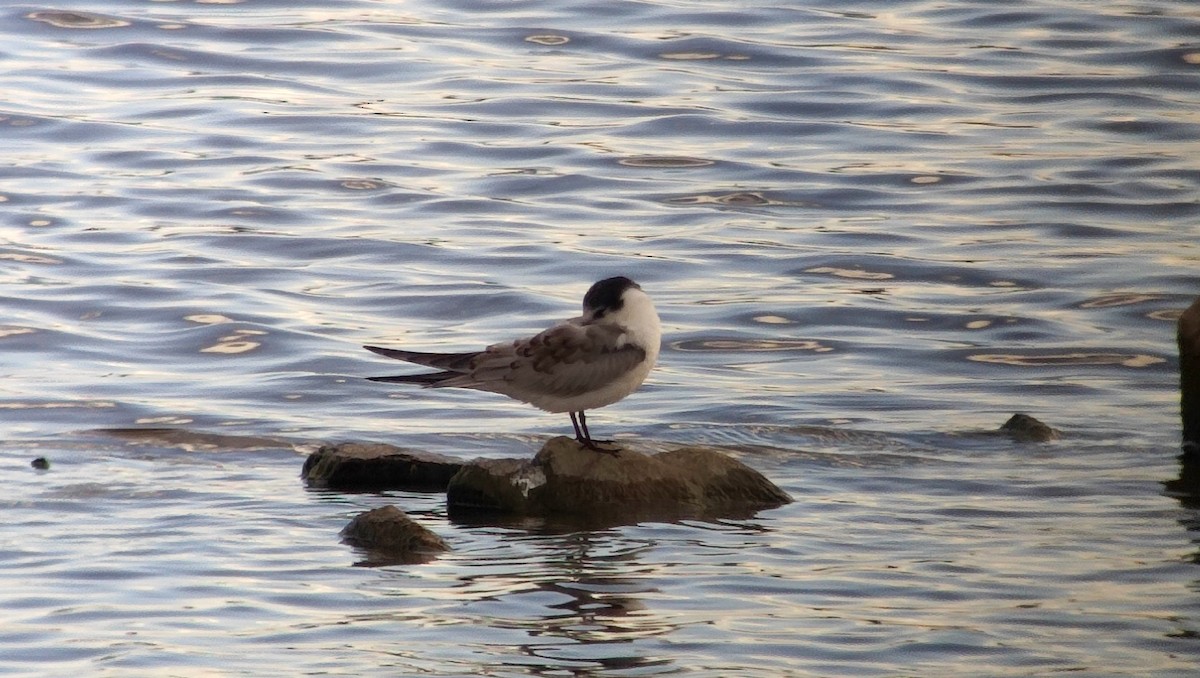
{"x": 579, "y": 364}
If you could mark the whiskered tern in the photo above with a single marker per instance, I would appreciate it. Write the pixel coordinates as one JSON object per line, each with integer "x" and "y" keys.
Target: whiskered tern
{"x": 579, "y": 364}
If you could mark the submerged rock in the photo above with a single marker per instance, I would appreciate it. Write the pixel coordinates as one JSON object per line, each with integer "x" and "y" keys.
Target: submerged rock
{"x": 388, "y": 536}
{"x": 376, "y": 466}
{"x": 193, "y": 440}
{"x": 565, "y": 479}
{"x": 1026, "y": 429}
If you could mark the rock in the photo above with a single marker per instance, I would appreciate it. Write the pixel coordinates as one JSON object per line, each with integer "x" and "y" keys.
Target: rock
{"x": 41, "y": 463}
{"x": 1188, "y": 336}
{"x": 1026, "y": 429}
{"x": 1187, "y": 486}
{"x": 389, "y": 536}
{"x": 376, "y": 466}
{"x": 489, "y": 484}
{"x": 565, "y": 479}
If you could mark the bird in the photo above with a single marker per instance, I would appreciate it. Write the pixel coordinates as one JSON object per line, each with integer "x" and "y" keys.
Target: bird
{"x": 579, "y": 364}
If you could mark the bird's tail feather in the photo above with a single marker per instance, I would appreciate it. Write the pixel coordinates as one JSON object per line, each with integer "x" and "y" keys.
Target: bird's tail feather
{"x": 424, "y": 379}
{"x": 451, "y": 362}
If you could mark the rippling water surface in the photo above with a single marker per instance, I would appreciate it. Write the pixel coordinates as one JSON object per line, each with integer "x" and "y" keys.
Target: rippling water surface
{"x": 873, "y": 231}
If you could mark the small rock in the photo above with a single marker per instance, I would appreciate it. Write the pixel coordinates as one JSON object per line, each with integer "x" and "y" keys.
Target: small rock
{"x": 375, "y": 466}
{"x": 41, "y": 463}
{"x": 1026, "y": 429}
{"x": 566, "y": 479}
{"x": 389, "y": 536}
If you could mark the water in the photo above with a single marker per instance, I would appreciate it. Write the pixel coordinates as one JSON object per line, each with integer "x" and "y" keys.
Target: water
{"x": 873, "y": 231}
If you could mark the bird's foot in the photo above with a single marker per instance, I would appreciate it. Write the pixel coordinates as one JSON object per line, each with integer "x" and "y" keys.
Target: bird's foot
{"x": 599, "y": 446}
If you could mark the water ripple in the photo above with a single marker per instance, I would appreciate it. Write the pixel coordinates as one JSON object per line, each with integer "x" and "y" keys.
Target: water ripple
{"x": 873, "y": 233}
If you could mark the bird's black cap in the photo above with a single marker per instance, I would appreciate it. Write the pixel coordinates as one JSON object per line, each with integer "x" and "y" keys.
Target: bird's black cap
{"x": 606, "y": 294}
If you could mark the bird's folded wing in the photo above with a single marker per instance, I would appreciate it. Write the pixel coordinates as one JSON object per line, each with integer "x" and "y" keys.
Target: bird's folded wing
{"x": 566, "y": 360}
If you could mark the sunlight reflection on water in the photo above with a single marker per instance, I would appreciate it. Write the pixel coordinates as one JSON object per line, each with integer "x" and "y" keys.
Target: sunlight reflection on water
{"x": 872, "y": 234}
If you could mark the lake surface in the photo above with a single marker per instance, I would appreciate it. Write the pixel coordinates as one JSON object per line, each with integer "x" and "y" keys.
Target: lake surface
{"x": 873, "y": 232}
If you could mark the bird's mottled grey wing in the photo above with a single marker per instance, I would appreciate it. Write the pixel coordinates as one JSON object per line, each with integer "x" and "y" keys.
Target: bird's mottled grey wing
{"x": 566, "y": 360}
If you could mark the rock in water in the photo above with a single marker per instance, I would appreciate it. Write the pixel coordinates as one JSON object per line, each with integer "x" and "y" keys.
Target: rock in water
{"x": 375, "y": 466}
{"x": 1026, "y": 429}
{"x": 389, "y": 536}
{"x": 1188, "y": 336}
{"x": 565, "y": 479}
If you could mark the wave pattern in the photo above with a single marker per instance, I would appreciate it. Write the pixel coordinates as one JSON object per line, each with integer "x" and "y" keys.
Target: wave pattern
{"x": 872, "y": 232}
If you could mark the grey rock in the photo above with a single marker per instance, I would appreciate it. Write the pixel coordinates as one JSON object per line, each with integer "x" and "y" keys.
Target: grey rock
{"x": 388, "y": 536}
{"x": 565, "y": 479}
{"x": 377, "y": 466}
{"x": 1027, "y": 429}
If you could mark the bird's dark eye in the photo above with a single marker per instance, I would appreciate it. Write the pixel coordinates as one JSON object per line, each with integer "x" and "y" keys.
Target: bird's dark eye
{"x": 599, "y": 313}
